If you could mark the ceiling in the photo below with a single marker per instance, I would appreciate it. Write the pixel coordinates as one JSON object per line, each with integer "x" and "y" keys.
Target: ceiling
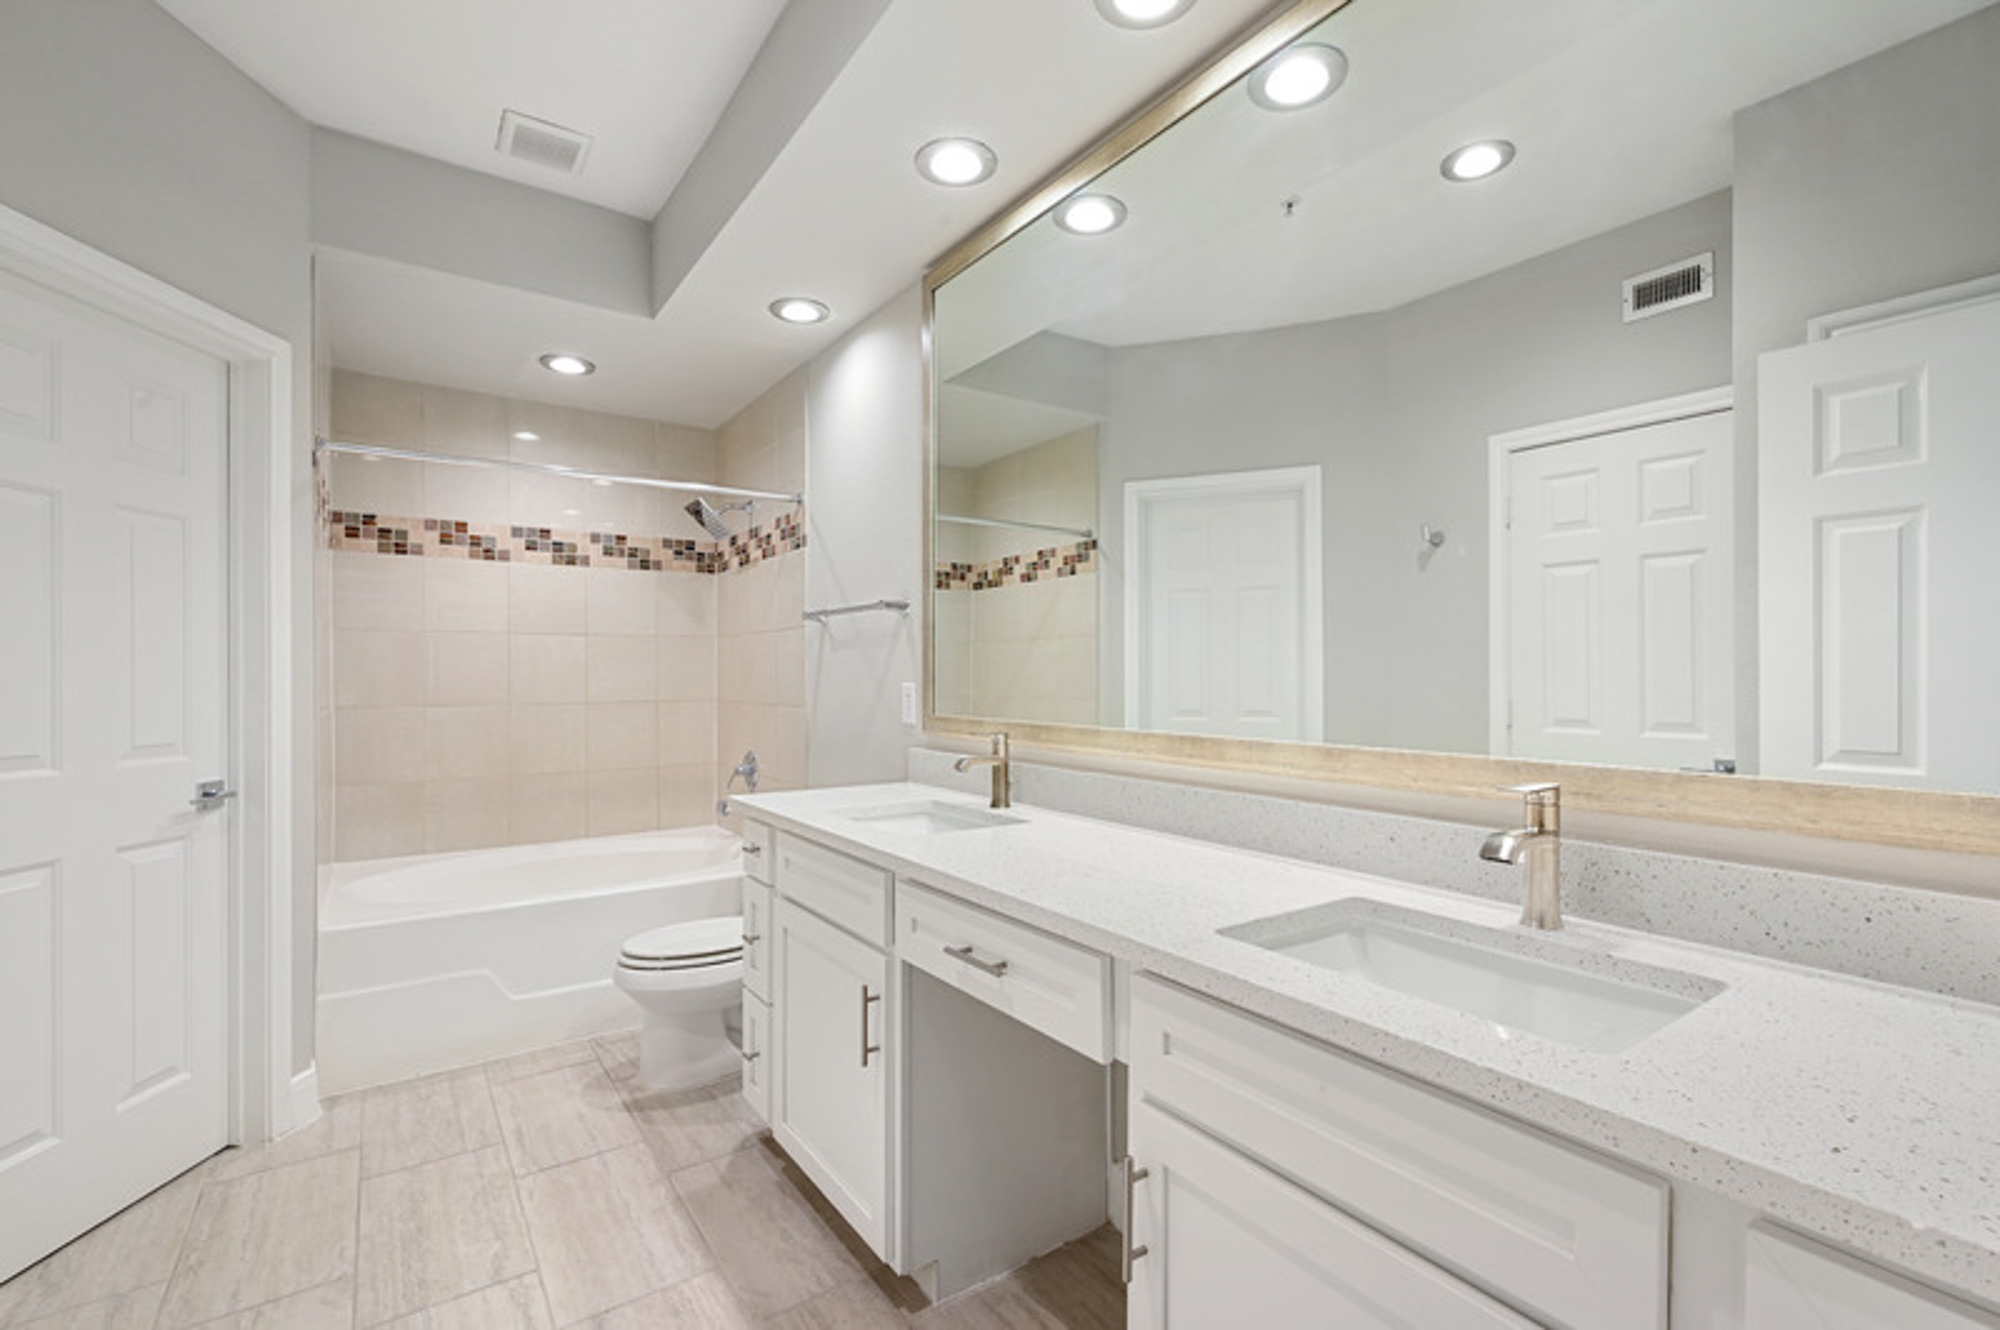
{"x": 836, "y": 212}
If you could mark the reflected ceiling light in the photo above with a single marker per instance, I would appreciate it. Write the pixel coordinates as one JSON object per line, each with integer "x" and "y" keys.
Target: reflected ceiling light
{"x": 527, "y": 436}
{"x": 1298, "y": 76}
{"x": 798, "y": 309}
{"x": 955, "y": 161}
{"x": 1476, "y": 161}
{"x": 1143, "y": 13}
{"x": 561, "y": 362}
{"x": 1090, "y": 214}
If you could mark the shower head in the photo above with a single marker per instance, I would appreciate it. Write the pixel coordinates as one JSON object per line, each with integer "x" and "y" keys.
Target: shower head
{"x": 709, "y": 517}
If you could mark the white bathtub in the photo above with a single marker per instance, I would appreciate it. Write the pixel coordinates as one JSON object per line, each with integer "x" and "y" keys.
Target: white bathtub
{"x": 437, "y": 961}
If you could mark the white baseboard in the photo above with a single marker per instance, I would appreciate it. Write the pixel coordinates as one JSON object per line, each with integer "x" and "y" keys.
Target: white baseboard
{"x": 302, "y": 1104}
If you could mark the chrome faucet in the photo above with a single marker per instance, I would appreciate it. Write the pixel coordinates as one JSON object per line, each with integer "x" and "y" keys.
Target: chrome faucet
{"x": 1538, "y": 848}
{"x": 747, "y": 771}
{"x": 1003, "y": 772}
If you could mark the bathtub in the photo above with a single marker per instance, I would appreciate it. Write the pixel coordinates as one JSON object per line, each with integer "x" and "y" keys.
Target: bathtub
{"x": 438, "y": 961}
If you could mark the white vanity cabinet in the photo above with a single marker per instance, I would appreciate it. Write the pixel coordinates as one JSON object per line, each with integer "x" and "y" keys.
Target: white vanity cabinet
{"x": 758, "y": 941}
{"x": 831, "y": 1028}
{"x": 1429, "y": 1211}
{"x": 1794, "y": 1282}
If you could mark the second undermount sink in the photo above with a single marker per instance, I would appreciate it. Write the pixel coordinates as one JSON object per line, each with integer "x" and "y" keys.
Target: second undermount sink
{"x": 928, "y": 817}
{"x": 1586, "y": 1000}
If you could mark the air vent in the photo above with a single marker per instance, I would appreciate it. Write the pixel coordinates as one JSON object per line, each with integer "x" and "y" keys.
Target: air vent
{"x": 1670, "y": 287}
{"x": 527, "y": 139}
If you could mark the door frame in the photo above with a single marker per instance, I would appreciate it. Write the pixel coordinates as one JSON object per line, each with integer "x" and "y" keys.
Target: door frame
{"x": 1301, "y": 480}
{"x": 265, "y": 1099}
{"x": 1500, "y": 450}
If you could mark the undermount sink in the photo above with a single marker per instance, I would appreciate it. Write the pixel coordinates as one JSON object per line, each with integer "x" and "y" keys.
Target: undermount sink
{"x": 1536, "y": 986}
{"x": 928, "y": 817}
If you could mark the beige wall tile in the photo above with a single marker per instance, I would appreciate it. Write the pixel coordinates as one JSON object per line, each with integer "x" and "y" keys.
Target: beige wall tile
{"x": 379, "y": 485}
{"x": 558, "y": 430}
{"x": 377, "y": 821}
{"x": 622, "y": 735}
{"x": 466, "y": 494}
{"x": 547, "y": 739}
{"x": 682, "y": 452}
{"x": 555, "y": 502}
{"x": 622, "y": 801}
{"x": 466, "y": 742}
{"x": 687, "y": 604}
{"x": 547, "y": 808}
{"x": 544, "y": 599}
{"x": 461, "y": 595}
{"x": 765, "y": 596}
{"x": 465, "y": 814}
{"x": 621, "y": 669}
{"x": 547, "y": 668}
{"x": 777, "y": 733}
{"x": 687, "y": 796}
{"x": 619, "y": 445}
{"x": 687, "y": 669}
{"x": 379, "y": 744}
{"x": 467, "y": 669}
{"x": 367, "y": 408}
{"x": 376, "y": 591}
{"x": 688, "y": 734}
{"x": 629, "y": 510}
{"x": 378, "y": 669}
{"x": 464, "y": 423}
{"x": 620, "y": 602}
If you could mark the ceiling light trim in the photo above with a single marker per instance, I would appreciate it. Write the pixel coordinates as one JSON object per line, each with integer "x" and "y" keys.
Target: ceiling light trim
{"x": 1139, "y": 15}
{"x": 567, "y": 364}
{"x": 956, "y": 162}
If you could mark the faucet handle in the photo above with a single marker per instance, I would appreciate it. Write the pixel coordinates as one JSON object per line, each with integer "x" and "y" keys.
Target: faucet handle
{"x": 1534, "y": 791}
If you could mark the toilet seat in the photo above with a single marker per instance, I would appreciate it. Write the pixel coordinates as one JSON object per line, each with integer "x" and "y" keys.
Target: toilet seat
{"x": 698, "y": 944}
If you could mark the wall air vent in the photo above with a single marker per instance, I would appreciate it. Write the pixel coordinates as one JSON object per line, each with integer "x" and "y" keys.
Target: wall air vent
{"x": 527, "y": 139}
{"x": 1670, "y": 287}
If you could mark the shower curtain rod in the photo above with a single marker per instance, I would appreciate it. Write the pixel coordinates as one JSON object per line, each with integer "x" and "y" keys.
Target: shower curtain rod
{"x": 1083, "y": 531}
{"x": 547, "y": 469}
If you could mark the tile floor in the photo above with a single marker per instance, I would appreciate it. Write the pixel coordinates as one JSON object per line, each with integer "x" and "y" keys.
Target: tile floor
{"x": 534, "y": 1192}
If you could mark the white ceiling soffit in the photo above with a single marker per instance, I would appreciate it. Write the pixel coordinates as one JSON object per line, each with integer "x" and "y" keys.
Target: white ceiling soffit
{"x": 839, "y": 215}
{"x": 645, "y": 79}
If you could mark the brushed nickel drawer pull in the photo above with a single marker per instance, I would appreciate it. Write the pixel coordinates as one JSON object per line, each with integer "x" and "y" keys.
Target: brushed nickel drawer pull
{"x": 752, "y": 939}
{"x": 750, "y": 1055}
{"x": 964, "y": 953}
{"x": 1127, "y": 1253}
{"x": 749, "y": 848}
{"x": 867, "y": 998}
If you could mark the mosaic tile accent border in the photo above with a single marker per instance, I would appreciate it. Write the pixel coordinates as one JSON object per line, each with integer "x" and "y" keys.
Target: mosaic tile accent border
{"x": 449, "y": 538}
{"x": 1071, "y": 560}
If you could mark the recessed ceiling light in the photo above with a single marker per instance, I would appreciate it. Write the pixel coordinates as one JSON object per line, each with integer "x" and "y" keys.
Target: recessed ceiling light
{"x": 527, "y": 436}
{"x": 798, "y": 309}
{"x": 558, "y": 362}
{"x": 1476, "y": 161}
{"x": 1143, "y": 13}
{"x": 955, "y": 161}
{"x": 1090, "y": 214}
{"x": 1298, "y": 76}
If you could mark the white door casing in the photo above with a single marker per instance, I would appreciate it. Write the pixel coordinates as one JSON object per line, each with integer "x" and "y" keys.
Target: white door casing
{"x": 117, "y": 519}
{"x": 1223, "y": 605}
{"x": 1613, "y": 587}
{"x": 1878, "y": 469}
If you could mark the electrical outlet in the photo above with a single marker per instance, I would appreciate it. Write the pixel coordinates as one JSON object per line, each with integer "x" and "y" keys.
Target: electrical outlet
{"x": 909, "y": 704}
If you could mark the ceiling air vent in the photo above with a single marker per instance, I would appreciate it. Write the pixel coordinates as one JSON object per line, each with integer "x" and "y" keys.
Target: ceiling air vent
{"x": 527, "y": 139}
{"x": 1670, "y": 287}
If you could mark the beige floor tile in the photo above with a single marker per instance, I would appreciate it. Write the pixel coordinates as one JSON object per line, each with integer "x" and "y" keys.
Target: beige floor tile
{"x": 128, "y": 1311}
{"x": 619, "y": 1055}
{"x": 266, "y": 1236}
{"x": 705, "y": 1302}
{"x": 436, "y": 1231}
{"x": 328, "y": 1307}
{"x": 747, "y": 1209}
{"x": 417, "y": 1122}
{"x": 517, "y": 1304}
{"x": 1074, "y": 1287}
{"x": 538, "y": 1060}
{"x": 562, "y": 1115}
{"x": 694, "y": 1126}
{"x": 856, "y": 1306}
{"x": 133, "y": 1249}
{"x": 337, "y": 1128}
{"x": 609, "y": 1230}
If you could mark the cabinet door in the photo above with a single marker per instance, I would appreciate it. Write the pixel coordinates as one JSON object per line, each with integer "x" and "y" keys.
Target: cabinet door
{"x": 1794, "y": 1282}
{"x": 830, "y": 1097}
{"x": 757, "y": 938}
{"x": 1230, "y": 1243}
{"x": 757, "y": 1056}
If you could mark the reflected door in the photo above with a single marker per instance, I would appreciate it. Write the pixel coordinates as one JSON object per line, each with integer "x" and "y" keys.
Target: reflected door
{"x": 1223, "y": 605}
{"x": 1878, "y": 583}
{"x": 1618, "y": 597}
{"x": 113, "y": 1069}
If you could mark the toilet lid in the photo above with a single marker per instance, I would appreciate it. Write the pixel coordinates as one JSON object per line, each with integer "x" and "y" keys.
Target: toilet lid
{"x": 697, "y": 943}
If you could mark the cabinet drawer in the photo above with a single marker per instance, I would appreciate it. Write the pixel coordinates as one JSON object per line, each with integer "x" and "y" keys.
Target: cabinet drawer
{"x": 758, "y": 1060}
{"x": 757, "y": 938}
{"x": 1793, "y": 1281}
{"x": 757, "y": 852}
{"x": 1050, "y": 985}
{"x": 839, "y": 889}
{"x": 1574, "y": 1237}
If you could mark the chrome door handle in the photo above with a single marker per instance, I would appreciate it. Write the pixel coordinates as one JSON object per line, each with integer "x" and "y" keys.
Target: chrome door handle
{"x": 1127, "y": 1253}
{"x": 867, "y": 999}
{"x": 964, "y": 953}
{"x": 209, "y": 795}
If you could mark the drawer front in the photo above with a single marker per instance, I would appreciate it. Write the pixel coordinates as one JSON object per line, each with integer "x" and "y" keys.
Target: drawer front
{"x": 1050, "y": 985}
{"x": 757, "y": 940}
{"x": 1580, "y": 1240}
{"x": 839, "y": 889}
{"x": 757, "y": 851}
{"x": 758, "y": 1060}
{"x": 1794, "y": 1281}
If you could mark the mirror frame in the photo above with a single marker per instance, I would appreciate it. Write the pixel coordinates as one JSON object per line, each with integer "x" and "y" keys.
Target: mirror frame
{"x": 1913, "y": 819}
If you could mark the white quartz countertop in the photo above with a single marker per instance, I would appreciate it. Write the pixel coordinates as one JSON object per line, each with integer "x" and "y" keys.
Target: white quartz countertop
{"x": 1867, "y": 1114}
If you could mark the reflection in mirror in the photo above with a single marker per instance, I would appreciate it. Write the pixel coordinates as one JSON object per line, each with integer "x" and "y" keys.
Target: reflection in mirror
{"x": 1687, "y": 527}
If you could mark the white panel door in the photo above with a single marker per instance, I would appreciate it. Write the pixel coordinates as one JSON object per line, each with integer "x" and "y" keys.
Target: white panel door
{"x": 1619, "y": 597}
{"x": 1226, "y": 605}
{"x": 1878, "y": 471}
{"x": 112, "y": 886}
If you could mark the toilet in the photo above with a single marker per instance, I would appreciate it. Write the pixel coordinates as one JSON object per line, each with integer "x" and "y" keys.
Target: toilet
{"x": 688, "y": 981}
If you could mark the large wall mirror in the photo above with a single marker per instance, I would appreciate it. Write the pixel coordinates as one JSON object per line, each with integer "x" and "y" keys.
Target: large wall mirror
{"x": 1660, "y": 435}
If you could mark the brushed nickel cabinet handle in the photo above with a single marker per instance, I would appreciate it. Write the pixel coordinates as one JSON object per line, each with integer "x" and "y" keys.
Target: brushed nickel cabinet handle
{"x": 867, "y": 999}
{"x": 964, "y": 953}
{"x": 1127, "y": 1253}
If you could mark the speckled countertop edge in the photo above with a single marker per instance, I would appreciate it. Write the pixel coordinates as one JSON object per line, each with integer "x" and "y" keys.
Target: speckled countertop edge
{"x": 1854, "y": 1110}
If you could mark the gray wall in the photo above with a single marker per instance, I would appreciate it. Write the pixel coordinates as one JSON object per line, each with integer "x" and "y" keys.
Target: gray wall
{"x": 121, "y": 129}
{"x": 1397, "y": 409}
